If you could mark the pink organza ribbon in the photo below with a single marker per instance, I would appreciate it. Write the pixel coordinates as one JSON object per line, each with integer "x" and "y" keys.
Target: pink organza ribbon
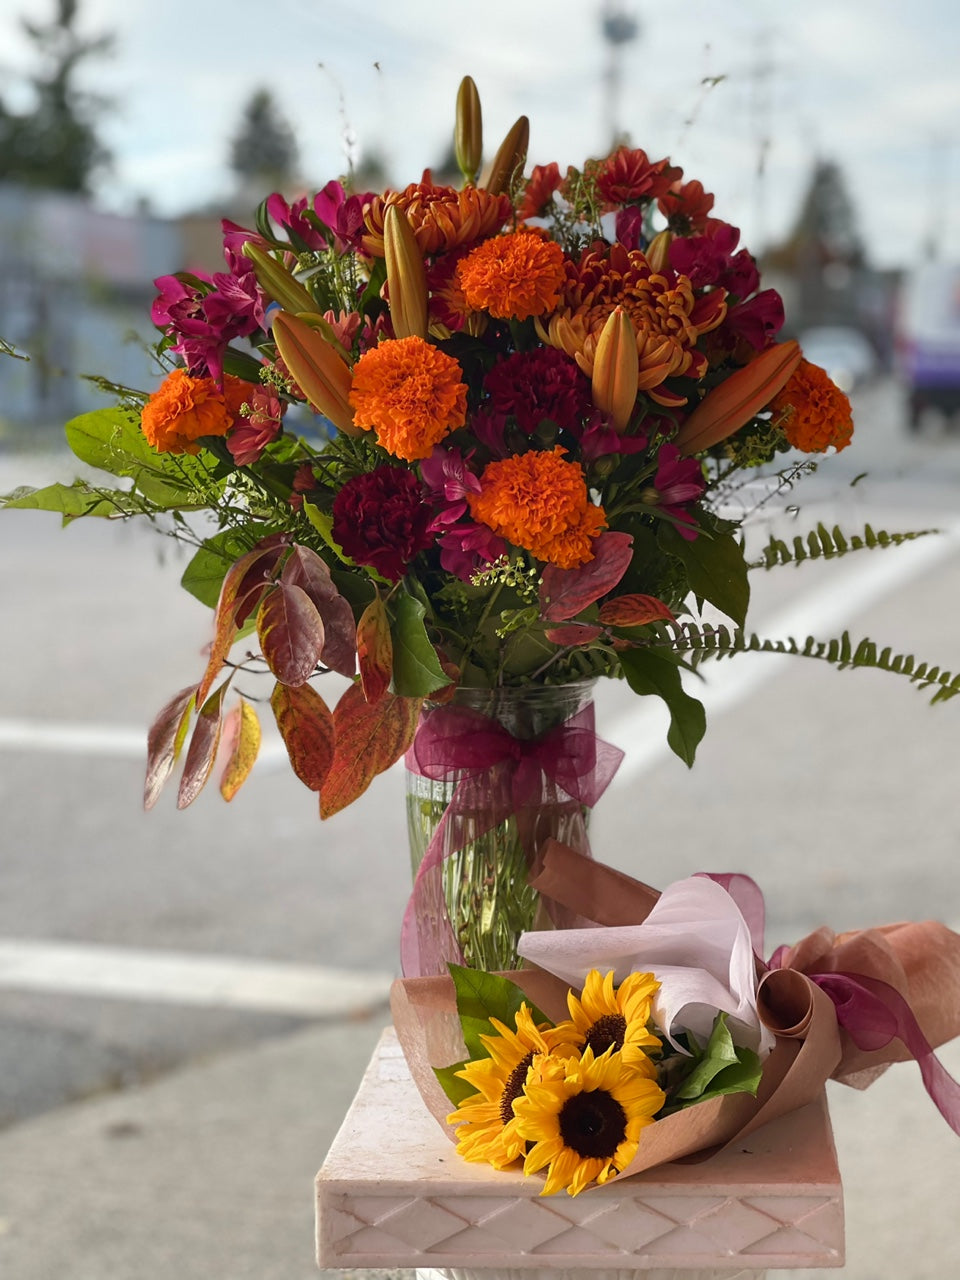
{"x": 497, "y": 775}
{"x": 873, "y": 1014}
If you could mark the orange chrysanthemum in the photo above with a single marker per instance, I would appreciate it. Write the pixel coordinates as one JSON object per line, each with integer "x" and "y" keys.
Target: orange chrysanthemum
{"x": 513, "y": 276}
{"x": 182, "y": 411}
{"x": 812, "y": 411}
{"x": 410, "y": 393}
{"x": 666, "y": 314}
{"x": 539, "y": 501}
{"x": 441, "y": 217}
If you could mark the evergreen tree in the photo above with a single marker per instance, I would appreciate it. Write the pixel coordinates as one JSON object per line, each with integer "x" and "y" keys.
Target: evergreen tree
{"x": 55, "y": 145}
{"x": 263, "y": 152}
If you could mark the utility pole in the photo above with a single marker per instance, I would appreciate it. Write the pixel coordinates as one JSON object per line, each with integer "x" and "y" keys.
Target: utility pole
{"x": 619, "y": 27}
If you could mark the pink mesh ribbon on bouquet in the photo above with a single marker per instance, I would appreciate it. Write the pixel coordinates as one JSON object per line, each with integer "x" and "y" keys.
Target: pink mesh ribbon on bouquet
{"x": 497, "y": 775}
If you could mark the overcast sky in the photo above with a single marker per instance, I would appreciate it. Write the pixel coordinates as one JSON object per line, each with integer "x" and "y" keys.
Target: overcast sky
{"x": 871, "y": 84}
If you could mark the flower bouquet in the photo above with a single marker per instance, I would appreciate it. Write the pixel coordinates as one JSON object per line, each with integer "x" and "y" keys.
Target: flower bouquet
{"x": 663, "y": 1034}
{"x": 465, "y": 445}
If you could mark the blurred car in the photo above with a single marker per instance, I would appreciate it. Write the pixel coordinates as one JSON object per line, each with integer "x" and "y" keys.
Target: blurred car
{"x": 847, "y": 354}
{"x": 929, "y": 341}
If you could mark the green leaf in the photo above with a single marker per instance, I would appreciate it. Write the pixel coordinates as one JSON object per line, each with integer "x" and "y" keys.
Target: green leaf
{"x": 716, "y": 569}
{"x": 323, "y": 523}
{"x": 416, "y": 667}
{"x": 457, "y": 1090}
{"x": 111, "y": 440}
{"x": 482, "y": 996}
{"x": 204, "y": 575}
{"x": 648, "y": 672}
{"x": 74, "y": 501}
{"x": 720, "y": 1068}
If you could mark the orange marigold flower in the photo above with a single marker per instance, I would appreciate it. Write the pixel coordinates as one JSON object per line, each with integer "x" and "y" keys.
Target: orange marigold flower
{"x": 539, "y": 501}
{"x": 410, "y": 393}
{"x": 441, "y": 217}
{"x": 513, "y": 276}
{"x": 182, "y": 411}
{"x": 812, "y": 411}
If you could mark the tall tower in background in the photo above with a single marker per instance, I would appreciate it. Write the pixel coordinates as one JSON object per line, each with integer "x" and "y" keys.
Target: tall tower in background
{"x": 619, "y": 27}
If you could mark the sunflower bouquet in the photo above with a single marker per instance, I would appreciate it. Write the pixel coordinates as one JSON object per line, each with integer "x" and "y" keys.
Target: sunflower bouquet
{"x": 659, "y": 1031}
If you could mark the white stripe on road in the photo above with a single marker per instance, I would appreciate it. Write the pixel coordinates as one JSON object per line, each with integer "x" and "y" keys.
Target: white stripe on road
{"x": 79, "y": 738}
{"x": 832, "y": 608}
{"x": 227, "y": 982}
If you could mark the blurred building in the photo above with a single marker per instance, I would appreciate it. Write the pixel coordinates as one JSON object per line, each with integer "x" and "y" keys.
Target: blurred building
{"x": 822, "y": 271}
{"x": 76, "y": 285}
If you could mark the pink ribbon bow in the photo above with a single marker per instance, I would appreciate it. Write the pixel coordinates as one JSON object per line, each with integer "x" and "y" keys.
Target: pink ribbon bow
{"x": 496, "y": 775}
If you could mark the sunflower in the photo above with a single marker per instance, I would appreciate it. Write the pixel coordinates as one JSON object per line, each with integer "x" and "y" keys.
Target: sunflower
{"x": 584, "y": 1118}
{"x": 488, "y": 1127}
{"x": 604, "y": 1018}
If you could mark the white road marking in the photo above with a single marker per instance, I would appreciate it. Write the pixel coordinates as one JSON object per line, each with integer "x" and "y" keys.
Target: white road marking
{"x": 822, "y": 613}
{"x": 226, "y": 982}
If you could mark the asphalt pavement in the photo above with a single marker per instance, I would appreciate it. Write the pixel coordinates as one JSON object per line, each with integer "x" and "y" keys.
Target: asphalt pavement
{"x": 148, "y": 1134}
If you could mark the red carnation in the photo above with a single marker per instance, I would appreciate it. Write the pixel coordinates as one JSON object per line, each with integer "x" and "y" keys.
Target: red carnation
{"x": 629, "y": 175}
{"x": 534, "y": 385}
{"x": 380, "y": 519}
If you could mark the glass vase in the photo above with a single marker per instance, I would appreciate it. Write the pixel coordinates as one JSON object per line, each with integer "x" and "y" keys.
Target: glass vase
{"x": 487, "y": 843}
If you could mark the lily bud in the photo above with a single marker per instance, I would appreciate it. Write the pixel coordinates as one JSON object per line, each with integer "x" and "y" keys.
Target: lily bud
{"x": 616, "y": 370}
{"x": 406, "y": 278}
{"x": 734, "y": 402}
{"x": 658, "y": 251}
{"x": 323, "y": 376}
{"x": 468, "y": 130}
{"x": 277, "y": 282}
{"x": 510, "y": 157}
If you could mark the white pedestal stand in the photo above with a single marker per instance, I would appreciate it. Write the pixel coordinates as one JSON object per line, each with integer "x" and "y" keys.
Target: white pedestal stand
{"x": 393, "y": 1193}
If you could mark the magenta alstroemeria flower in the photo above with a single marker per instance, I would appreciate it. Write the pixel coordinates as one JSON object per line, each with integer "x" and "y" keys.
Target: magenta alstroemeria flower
{"x": 678, "y": 482}
{"x": 291, "y": 218}
{"x": 468, "y": 547}
{"x": 712, "y": 259}
{"x": 629, "y": 227}
{"x": 203, "y": 313}
{"x": 343, "y": 214}
{"x": 248, "y": 440}
{"x": 448, "y": 479}
{"x": 758, "y": 320}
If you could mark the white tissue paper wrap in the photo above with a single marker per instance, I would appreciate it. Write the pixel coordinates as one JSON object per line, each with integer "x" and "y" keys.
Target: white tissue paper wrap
{"x": 697, "y": 944}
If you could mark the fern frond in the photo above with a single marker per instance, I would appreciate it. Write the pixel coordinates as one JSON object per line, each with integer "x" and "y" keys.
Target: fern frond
{"x": 828, "y": 544}
{"x": 703, "y": 643}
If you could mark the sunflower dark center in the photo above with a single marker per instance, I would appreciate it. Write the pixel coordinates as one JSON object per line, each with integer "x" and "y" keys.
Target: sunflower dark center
{"x": 606, "y": 1031}
{"x": 514, "y": 1087}
{"x": 593, "y": 1124}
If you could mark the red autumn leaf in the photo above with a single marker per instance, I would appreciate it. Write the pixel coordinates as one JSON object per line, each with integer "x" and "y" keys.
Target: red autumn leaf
{"x": 242, "y": 588}
{"x": 202, "y": 751}
{"x": 242, "y": 730}
{"x": 634, "y": 611}
{"x": 291, "y": 633}
{"x": 370, "y": 738}
{"x": 164, "y": 739}
{"x": 574, "y": 633}
{"x": 566, "y": 592}
{"x": 374, "y": 650}
{"x": 306, "y": 726}
{"x": 304, "y": 568}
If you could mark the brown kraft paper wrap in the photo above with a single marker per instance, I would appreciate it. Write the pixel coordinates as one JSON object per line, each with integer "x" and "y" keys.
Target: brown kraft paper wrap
{"x": 922, "y": 962}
